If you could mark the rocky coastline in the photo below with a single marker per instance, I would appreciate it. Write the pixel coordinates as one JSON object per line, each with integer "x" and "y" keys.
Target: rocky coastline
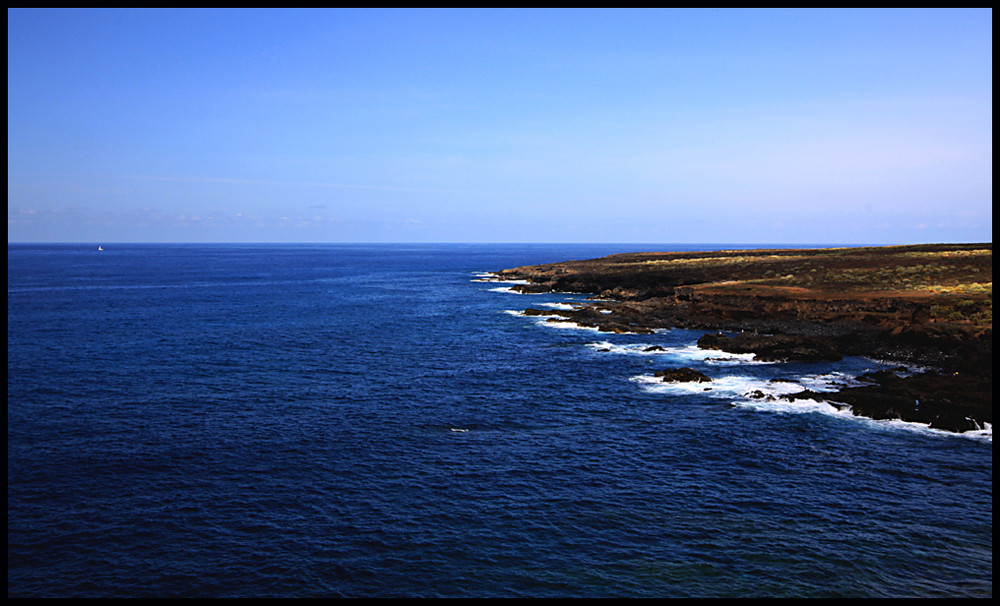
{"x": 921, "y": 306}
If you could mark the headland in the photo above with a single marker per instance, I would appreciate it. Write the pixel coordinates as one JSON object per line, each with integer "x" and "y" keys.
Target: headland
{"x": 926, "y": 307}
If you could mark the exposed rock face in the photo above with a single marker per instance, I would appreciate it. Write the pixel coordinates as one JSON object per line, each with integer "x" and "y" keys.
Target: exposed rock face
{"x": 620, "y": 323}
{"x": 928, "y": 304}
{"x": 773, "y": 348}
{"x": 682, "y": 375}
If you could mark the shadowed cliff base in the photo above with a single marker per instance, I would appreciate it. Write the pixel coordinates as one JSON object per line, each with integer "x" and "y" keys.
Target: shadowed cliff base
{"x": 928, "y": 305}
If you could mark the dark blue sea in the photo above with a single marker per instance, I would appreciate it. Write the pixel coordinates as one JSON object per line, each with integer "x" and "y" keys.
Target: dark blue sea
{"x": 379, "y": 421}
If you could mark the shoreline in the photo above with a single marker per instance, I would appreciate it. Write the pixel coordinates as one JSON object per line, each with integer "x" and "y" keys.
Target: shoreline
{"x": 923, "y": 305}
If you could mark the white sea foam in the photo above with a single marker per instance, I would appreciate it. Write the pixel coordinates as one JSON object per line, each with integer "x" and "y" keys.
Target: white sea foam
{"x": 563, "y": 306}
{"x": 734, "y": 386}
{"x": 507, "y": 289}
{"x": 510, "y": 289}
{"x": 690, "y": 353}
{"x": 597, "y": 329}
{"x": 986, "y": 433}
{"x": 565, "y": 324}
{"x": 764, "y": 395}
{"x": 485, "y": 276}
{"x": 544, "y": 320}
{"x": 787, "y": 406}
{"x": 978, "y": 434}
{"x": 751, "y": 389}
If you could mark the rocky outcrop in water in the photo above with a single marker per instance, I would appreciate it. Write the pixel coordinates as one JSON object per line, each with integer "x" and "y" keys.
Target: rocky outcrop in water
{"x": 682, "y": 375}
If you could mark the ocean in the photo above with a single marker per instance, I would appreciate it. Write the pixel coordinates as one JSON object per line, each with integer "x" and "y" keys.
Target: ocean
{"x": 382, "y": 421}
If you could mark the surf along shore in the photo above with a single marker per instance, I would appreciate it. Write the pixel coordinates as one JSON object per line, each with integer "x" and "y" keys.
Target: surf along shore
{"x": 924, "y": 311}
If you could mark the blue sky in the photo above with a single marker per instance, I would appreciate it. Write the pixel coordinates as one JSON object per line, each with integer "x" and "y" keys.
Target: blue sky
{"x": 797, "y": 126}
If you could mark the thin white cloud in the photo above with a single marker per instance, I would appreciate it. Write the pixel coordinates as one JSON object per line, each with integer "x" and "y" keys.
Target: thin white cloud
{"x": 319, "y": 184}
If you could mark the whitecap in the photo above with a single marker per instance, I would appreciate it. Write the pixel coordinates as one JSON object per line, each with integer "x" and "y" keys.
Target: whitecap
{"x": 565, "y": 324}
{"x": 793, "y": 406}
{"x": 752, "y": 389}
{"x": 721, "y": 387}
{"x": 769, "y": 395}
{"x": 684, "y": 353}
{"x": 563, "y": 306}
{"x": 510, "y": 289}
{"x": 486, "y": 276}
{"x": 635, "y": 349}
{"x": 789, "y": 406}
{"x": 977, "y": 434}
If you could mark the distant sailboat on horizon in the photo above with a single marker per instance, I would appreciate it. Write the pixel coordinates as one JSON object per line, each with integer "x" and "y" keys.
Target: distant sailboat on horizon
{"x": 99, "y": 247}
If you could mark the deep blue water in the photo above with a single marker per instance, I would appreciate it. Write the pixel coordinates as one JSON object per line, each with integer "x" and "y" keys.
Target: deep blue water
{"x": 369, "y": 421}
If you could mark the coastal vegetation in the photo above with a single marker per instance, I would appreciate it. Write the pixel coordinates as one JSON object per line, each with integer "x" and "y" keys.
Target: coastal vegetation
{"x": 942, "y": 283}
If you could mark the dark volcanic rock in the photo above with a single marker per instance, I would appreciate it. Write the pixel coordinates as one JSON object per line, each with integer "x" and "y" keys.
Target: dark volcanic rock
{"x": 954, "y": 401}
{"x": 682, "y": 375}
{"x": 773, "y": 347}
{"x": 591, "y": 317}
{"x": 541, "y": 312}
